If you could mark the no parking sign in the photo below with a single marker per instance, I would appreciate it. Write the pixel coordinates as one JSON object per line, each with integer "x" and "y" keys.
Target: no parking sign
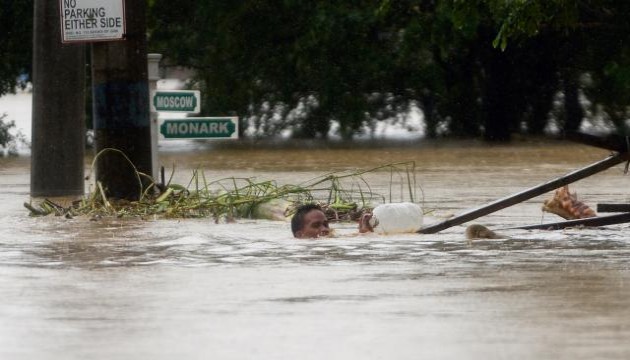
{"x": 92, "y": 20}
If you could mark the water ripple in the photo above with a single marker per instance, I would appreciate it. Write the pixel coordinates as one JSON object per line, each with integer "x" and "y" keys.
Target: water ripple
{"x": 118, "y": 244}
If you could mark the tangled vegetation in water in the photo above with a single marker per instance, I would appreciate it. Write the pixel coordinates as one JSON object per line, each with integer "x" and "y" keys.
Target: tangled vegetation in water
{"x": 344, "y": 196}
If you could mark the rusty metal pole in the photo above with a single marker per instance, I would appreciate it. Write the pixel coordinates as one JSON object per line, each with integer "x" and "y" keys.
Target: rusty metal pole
{"x": 121, "y": 108}
{"x": 58, "y": 121}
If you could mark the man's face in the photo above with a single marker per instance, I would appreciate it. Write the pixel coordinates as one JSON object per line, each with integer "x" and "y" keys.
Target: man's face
{"x": 315, "y": 225}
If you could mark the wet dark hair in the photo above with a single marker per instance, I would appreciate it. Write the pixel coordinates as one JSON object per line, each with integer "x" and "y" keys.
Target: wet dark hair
{"x": 297, "y": 222}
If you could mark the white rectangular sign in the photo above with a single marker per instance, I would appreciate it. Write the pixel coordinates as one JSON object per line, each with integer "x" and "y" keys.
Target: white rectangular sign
{"x": 92, "y": 20}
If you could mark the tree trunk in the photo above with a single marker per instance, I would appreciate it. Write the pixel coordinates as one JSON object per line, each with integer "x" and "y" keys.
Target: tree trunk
{"x": 574, "y": 113}
{"x": 497, "y": 103}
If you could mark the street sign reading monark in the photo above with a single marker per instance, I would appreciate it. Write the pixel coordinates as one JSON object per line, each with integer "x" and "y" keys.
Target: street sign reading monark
{"x": 92, "y": 20}
{"x": 182, "y": 101}
{"x": 200, "y": 128}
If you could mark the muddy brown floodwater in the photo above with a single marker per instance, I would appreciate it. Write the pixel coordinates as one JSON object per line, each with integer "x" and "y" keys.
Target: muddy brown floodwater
{"x": 194, "y": 289}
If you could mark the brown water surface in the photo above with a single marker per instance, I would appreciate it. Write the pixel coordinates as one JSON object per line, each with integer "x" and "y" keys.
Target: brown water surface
{"x": 194, "y": 289}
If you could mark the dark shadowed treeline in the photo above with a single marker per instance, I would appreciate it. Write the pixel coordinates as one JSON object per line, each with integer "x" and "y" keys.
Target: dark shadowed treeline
{"x": 475, "y": 68}
{"x": 16, "y": 35}
{"x": 478, "y": 68}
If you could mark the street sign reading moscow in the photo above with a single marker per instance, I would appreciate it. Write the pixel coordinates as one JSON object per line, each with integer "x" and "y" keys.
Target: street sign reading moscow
{"x": 200, "y": 128}
{"x": 181, "y": 101}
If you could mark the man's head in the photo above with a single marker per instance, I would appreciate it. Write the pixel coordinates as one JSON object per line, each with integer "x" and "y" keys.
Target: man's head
{"x": 309, "y": 221}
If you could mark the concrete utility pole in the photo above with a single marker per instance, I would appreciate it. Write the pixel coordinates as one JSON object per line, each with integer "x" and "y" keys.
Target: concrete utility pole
{"x": 121, "y": 107}
{"x": 58, "y": 122}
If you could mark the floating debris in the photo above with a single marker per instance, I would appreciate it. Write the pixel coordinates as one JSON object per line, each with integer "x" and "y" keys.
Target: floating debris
{"x": 344, "y": 196}
{"x": 566, "y": 205}
{"x": 477, "y": 231}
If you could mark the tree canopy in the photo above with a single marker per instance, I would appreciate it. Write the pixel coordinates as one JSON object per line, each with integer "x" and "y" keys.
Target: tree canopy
{"x": 487, "y": 68}
{"x": 477, "y": 67}
{"x": 16, "y": 29}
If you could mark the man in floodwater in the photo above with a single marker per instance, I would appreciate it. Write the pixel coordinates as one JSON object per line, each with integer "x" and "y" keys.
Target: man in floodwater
{"x": 310, "y": 222}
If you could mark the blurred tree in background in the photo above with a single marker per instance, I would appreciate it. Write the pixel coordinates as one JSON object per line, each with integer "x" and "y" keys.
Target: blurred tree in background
{"x": 16, "y": 33}
{"x": 16, "y": 37}
{"x": 589, "y": 42}
{"x": 475, "y": 68}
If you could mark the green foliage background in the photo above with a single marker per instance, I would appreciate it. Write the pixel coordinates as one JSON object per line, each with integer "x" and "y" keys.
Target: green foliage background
{"x": 476, "y": 68}
{"x": 16, "y": 33}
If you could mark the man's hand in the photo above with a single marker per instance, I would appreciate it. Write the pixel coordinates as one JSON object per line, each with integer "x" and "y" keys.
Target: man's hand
{"x": 364, "y": 223}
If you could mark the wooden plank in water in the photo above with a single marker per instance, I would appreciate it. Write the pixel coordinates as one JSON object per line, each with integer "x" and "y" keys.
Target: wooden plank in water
{"x": 613, "y": 208}
{"x": 592, "y": 221}
{"x": 609, "y": 141}
{"x": 527, "y": 194}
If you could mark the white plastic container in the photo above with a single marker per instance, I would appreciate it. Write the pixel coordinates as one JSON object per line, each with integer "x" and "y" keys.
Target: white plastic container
{"x": 396, "y": 218}
{"x": 274, "y": 209}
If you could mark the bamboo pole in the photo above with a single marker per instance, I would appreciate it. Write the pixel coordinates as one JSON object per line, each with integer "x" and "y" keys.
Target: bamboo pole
{"x": 611, "y": 142}
{"x": 613, "y": 208}
{"x": 592, "y": 221}
{"x": 527, "y": 194}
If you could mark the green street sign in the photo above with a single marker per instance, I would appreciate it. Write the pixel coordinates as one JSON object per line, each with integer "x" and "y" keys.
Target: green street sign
{"x": 180, "y": 101}
{"x": 200, "y": 128}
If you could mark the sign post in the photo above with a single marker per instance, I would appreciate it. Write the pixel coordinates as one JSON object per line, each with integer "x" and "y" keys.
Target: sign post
{"x": 153, "y": 75}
